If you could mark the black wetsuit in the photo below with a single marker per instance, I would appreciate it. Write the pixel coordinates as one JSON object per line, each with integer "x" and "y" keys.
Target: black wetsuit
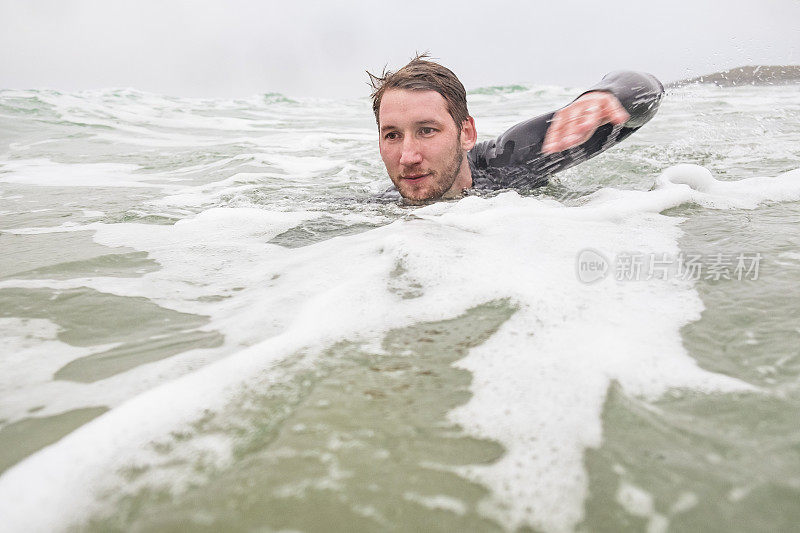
{"x": 515, "y": 159}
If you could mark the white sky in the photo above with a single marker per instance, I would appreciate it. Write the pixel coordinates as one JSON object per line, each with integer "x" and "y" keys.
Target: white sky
{"x": 321, "y": 48}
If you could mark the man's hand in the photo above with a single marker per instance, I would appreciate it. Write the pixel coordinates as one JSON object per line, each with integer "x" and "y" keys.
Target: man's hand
{"x": 576, "y": 123}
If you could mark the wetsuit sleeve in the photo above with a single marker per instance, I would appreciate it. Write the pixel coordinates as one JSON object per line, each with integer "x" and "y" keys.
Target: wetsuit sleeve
{"x": 515, "y": 158}
{"x": 639, "y": 93}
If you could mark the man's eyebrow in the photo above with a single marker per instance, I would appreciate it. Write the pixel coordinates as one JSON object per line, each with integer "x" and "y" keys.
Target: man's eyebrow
{"x": 430, "y": 121}
{"x": 418, "y": 123}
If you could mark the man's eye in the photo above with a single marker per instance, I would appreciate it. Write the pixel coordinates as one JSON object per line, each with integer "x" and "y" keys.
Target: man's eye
{"x": 390, "y": 136}
{"x": 426, "y": 131}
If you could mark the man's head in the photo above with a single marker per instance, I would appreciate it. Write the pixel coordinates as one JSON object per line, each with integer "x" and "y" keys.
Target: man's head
{"x": 424, "y": 128}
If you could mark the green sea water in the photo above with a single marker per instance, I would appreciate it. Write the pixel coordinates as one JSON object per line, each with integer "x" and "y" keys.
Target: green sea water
{"x": 108, "y": 291}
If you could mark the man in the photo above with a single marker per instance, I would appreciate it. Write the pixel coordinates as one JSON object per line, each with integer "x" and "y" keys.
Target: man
{"x": 428, "y": 139}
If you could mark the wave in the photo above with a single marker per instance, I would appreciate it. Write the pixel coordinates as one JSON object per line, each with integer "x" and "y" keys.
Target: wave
{"x": 499, "y": 89}
{"x": 539, "y": 383}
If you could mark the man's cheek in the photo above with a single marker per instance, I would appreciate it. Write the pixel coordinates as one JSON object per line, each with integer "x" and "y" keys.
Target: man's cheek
{"x": 387, "y": 164}
{"x": 386, "y": 156}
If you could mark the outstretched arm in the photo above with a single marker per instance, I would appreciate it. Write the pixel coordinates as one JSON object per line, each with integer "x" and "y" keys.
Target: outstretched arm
{"x": 601, "y": 117}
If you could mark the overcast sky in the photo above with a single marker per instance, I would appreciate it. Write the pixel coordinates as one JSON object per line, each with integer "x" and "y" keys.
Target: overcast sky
{"x": 321, "y": 48}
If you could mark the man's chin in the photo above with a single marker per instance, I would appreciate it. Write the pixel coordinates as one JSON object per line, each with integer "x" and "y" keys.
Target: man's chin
{"x": 419, "y": 195}
{"x": 415, "y": 193}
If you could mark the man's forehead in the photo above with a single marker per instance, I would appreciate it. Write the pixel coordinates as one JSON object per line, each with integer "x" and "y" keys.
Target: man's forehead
{"x": 402, "y": 105}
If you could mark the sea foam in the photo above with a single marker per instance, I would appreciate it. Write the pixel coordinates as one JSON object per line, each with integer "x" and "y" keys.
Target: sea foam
{"x": 539, "y": 383}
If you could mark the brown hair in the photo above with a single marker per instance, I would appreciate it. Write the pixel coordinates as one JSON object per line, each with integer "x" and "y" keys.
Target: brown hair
{"x": 420, "y": 74}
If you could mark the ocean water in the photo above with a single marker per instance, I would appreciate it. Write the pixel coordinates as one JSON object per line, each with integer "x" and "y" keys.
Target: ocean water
{"x": 209, "y": 323}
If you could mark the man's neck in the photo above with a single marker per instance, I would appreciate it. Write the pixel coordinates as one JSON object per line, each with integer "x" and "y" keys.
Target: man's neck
{"x": 463, "y": 180}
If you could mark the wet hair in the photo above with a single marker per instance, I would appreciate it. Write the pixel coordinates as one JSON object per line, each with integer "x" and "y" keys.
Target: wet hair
{"x": 422, "y": 74}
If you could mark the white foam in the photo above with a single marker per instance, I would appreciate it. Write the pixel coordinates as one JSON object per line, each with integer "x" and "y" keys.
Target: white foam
{"x": 30, "y": 356}
{"x": 46, "y": 173}
{"x": 539, "y": 384}
{"x": 635, "y": 500}
{"x": 437, "y": 502}
{"x": 685, "y": 502}
{"x": 639, "y": 502}
{"x": 741, "y": 194}
{"x": 79, "y": 460}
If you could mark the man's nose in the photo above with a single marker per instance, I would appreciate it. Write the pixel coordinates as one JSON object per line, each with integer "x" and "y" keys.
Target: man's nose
{"x": 411, "y": 154}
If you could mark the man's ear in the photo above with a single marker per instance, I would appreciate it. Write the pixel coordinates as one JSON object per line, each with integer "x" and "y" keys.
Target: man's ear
{"x": 469, "y": 135}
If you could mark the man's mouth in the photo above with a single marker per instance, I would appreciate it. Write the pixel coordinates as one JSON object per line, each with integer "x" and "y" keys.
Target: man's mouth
{"x": 415, "y": 177}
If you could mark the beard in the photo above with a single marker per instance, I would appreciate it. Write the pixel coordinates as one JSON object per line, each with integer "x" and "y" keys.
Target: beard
{"x": 439, "y": 182}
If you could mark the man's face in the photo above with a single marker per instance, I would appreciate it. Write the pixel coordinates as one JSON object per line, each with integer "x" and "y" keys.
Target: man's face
{"x": 420, "y": 145}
